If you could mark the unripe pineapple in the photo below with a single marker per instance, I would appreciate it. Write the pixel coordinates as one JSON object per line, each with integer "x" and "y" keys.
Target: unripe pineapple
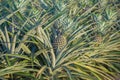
{"x": 98, "y": 39}
{"x": 59, "y": 42}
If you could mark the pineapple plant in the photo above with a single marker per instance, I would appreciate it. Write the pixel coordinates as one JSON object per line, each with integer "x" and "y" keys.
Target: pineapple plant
{"x": 33, "y": 55}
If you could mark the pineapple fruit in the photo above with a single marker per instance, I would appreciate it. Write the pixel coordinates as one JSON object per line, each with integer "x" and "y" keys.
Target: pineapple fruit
{"x": 59, "y": 42}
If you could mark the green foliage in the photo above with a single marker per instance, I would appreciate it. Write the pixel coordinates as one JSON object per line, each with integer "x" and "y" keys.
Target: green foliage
{"x": 29, "y": 27}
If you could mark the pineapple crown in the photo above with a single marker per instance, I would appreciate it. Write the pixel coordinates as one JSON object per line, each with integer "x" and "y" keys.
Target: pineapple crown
{"x": 59, "y": 32}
